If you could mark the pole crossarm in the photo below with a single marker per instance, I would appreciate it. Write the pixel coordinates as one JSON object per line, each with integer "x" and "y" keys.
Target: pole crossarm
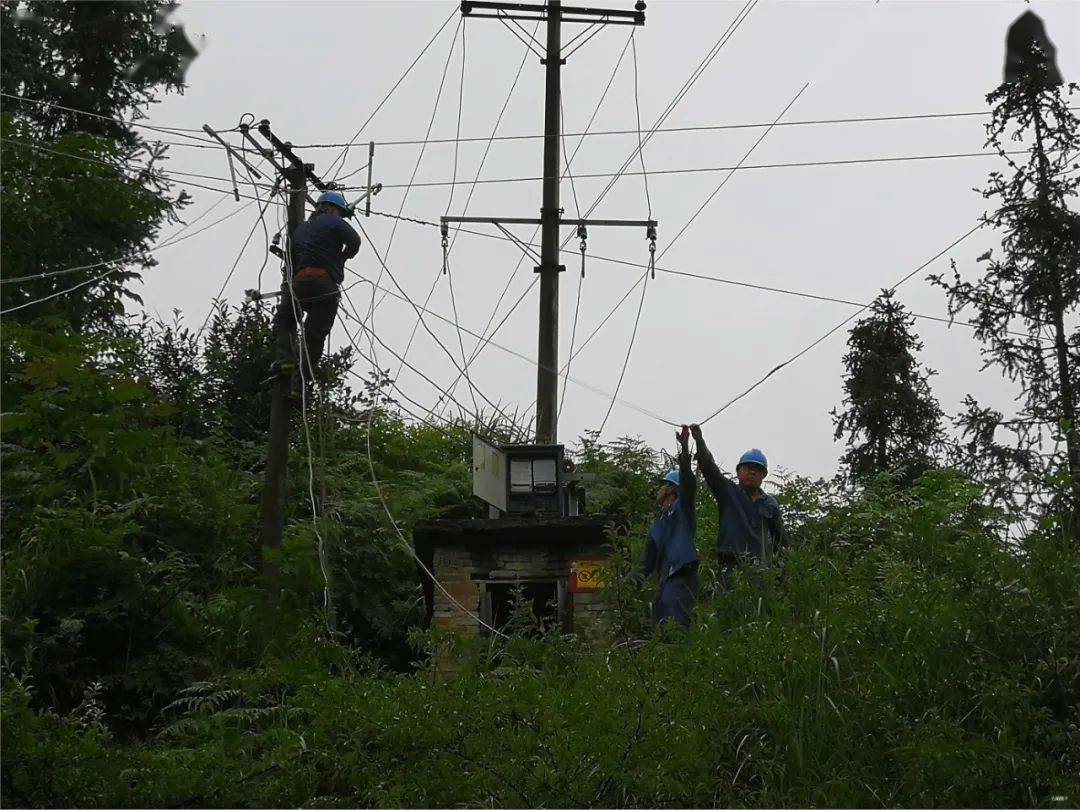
{"x": 571, "y": 14}
{"x": 286, "y": 150}
{"x": 599, "y": 223}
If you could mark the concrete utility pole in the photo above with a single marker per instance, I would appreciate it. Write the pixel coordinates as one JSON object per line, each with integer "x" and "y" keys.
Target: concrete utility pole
{"x": 277, "y": 454}
{"x": 547, "y": 355}
{"x": 555, "y": 14}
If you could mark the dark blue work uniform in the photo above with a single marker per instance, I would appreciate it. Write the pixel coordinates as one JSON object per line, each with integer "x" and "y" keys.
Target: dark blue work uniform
{"x": 670, "y": 551}
{"x": 320, "y": 248}
{"x": 750, "y": 529}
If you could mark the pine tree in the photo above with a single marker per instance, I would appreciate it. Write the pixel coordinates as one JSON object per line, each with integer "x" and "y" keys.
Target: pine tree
{"x": 891, "y": 421}
{"x": 1032, "y": 458}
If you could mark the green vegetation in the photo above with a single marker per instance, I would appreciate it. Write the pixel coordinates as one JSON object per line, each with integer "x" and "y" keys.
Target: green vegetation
{"x": 918, "y": 645}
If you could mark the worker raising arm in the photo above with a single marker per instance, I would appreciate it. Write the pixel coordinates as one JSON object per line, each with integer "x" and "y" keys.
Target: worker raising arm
{"x": 751, "y": 525}
{"x": 670, "y": 550}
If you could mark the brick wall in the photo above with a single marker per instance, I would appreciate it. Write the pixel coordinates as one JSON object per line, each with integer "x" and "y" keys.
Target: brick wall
{"x": 462, "y": 570}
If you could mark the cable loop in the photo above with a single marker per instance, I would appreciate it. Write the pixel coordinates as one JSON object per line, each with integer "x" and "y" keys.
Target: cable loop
{"x": 583, "y": 234}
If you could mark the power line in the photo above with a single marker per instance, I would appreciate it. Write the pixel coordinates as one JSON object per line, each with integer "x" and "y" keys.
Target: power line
{"x": 161, "y": 176}
{"x": 344, "y": 154}
{"x": 178, "y": 131}
{"x": 836, "y": 328}
{"x": 731, "y": 173}
{"x": 577, "y": 381}
{"x": 167, "y": 243}
{"x": 172, "y": 176}
{"x": 870, "y": 119}
{"x": 712, "y": 169}
{"x": 145, "y": 169}
{"x": 236, "y": 263}
{"x": 695, "y": 75}
{"x": 637, "y": 111}
{"x": 439, "y": 343}
{"x": 449, "y": 203}
{"x": 468, "y": 202}
{"x": 420, "y": 156}
{"x": 682, "y": 230}
{"x": 702, "y": 277}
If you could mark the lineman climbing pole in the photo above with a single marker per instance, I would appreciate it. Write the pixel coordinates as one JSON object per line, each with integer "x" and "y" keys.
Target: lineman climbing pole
{"x": 286, "y": 351}
{"x": 555, "y": 14}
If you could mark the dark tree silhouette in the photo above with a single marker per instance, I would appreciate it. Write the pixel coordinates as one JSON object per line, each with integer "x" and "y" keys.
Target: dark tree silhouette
{"x": 891, "y": 420}
{"x": 1031, "y": 458}
{"x": 83, "y": 189}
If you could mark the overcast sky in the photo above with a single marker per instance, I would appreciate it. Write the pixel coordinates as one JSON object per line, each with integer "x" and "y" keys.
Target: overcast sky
{"x": 318, "y": 69}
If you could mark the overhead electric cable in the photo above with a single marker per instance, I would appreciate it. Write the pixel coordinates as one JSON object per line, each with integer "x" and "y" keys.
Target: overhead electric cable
{"x": 519, "y": 355}
{"x": 449, "y": 203}
{"x": 235, "y": 264}
{"x": 696, "y": 74}
{"x": 637, "y": 113}
{"x": 344, "y": 153}
{"x": 175, "y": 238}
{"x": 836, "y": 328}
{"x": 67, "y": 270}
{"x": 178, "y": 131}
{"x": 510, "y": 278}
{"x": 439, "y": 343}
{"x": 468, "y": 199}
{"x": 420, "y": 156}
{"x": 801, "y": 164}
{"x": 689, "y": 128}
{"x": 681, "y": 231}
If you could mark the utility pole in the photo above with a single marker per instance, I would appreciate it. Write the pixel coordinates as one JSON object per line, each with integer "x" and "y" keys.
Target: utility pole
{"x": 297, "y": 174}
{"x": 277, "y": 455}
{"x": 554, "y": 14}
{"x": 547, "y": 355}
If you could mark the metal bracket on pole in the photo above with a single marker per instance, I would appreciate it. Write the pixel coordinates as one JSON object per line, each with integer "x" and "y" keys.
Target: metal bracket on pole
{"x": 370, "y": 161}
{"x": 231, "y": 150}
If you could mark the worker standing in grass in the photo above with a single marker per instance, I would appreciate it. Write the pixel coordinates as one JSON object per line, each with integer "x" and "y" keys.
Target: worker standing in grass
{"x": 751, "y": 525}
{"x": 320, "y": 248}
{"x": 670, "y": 551}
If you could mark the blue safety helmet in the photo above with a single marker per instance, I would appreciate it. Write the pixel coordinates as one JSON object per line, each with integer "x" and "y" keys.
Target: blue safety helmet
{"x": 754, "y": 456}
{"x": 672, "y": 478}
{"x": 335, "y": 198}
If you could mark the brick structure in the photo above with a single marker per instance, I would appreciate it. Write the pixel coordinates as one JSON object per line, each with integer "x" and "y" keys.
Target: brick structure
{"x": 481, "y": 563}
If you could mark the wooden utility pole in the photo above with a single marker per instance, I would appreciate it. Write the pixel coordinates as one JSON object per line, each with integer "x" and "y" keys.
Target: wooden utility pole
{"x": 554, "y": 14}
{"x": 297, "y": 174}
{"x": 277, "y": 455}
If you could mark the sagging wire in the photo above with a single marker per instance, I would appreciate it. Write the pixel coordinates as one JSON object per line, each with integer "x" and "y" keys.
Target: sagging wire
{"x": 420, "y": 156}
{"x": 385, "y": 270}
{"x": 651, "y": 235}
{"x": 386, "y": 507}
{"x": 345, "y": 152}
{"x": 637, "y": 112}
{"x": 513, "y": 274}
{"x": 449, "y": 204}
{"x": 468, "y": 199}
{"x": 305, "y": 362}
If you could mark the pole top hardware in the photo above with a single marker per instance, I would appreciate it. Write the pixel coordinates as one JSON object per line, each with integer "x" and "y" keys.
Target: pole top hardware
{"x": 569, "y": 14}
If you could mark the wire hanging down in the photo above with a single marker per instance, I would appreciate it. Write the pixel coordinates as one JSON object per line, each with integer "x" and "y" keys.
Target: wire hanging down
{"x": 836, "y": 328}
